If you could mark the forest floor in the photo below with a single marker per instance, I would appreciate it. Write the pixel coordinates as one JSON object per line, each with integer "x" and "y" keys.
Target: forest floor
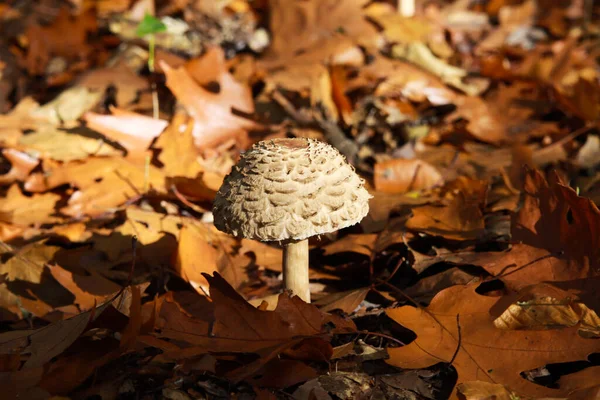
{"x": 475, "y": 275}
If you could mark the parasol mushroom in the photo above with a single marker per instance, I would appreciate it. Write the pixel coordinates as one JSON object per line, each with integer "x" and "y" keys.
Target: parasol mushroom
{"x": 286, "y": 191}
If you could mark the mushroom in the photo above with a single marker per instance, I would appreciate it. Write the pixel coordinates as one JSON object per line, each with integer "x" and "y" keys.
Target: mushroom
{"x": 286, "y": 191}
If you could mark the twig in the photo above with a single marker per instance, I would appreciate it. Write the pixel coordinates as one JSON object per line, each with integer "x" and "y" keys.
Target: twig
{"x": 459, "y": 339}
{"x": 331, "y": 130}
{"x": 383, "y": 335}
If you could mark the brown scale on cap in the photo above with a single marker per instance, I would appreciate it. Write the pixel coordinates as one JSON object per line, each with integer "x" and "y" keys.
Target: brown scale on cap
{"x": 290, "y": 189}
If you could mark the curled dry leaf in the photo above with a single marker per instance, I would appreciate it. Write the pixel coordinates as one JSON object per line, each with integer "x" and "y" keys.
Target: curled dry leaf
{"x": 131, "y": 130}
{"x": 402, "y": 176}
{"x": 548, "y": 313}
{"x": 482, "y": 352}
{"x": 215, "y": 122}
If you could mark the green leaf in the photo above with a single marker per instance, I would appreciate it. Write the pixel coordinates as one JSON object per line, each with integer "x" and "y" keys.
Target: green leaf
{"x": 150, "y": 25}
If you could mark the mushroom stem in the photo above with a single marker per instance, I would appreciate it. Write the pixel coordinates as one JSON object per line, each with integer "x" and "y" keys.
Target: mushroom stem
{"x": 295, "y": 269}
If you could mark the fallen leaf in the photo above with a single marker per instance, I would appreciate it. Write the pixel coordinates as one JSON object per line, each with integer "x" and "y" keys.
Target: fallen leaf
{"x": 26, "y": 287}
{"x": 135, "y": 132}
{"x": 103, "y": 183}
{"x": 582, "y": 385}
{"x": 127, "y": 83}
{"x": 43, "y": 344}
{"x": 478, "y": 390}
{"x": 195, "y": 257}
{"x": 458, "y": 215}
{"x": 215, "y": 122}
{"x": 347, "y": 301}
{"x": 21, "y": 166}
{"x": 20, "y": 209}
{"x": 61, "y": 145}
{"x": 178, "y": 153}
{"x": 269, "y": 257}
{"x": 68, "y": 106}
{"x": 556, "y": 231}
{"x": 65, "y": 37}
{"x": 482, "y": 352}
{"x": 89, "y": 290}
{"x": 362, "y": 244}
{"x": 230, "y": 324}
{"x": 402, "y": 176}
{"x": 308, "y": 32}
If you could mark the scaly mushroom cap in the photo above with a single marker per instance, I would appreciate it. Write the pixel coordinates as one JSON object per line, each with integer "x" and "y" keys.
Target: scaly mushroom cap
{"x": 290, "y": 189}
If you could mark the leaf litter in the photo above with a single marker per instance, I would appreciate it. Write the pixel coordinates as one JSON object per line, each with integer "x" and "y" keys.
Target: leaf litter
{"x": 475, "y": 274}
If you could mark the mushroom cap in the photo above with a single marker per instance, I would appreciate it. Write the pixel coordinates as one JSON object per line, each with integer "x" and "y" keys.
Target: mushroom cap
{"x": 290, "y": 189}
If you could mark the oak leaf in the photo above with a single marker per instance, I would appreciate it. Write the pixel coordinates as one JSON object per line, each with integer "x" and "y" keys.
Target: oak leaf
{"x": 557, "y": 234}
{"x": 215, "y": 122}
{"x": 135, "y": 132}
{"x": 457, "y": 327}
{"x": 228, "y": 324}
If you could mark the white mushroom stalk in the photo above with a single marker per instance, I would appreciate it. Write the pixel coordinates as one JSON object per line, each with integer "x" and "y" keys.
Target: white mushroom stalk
{"x": 288, "y": 190}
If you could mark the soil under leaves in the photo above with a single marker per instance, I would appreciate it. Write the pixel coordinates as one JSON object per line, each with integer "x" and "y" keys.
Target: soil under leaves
{"x": 474, "y": 276}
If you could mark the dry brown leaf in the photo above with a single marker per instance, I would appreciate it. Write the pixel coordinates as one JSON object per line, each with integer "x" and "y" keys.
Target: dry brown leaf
{"x": 459, "y": 213}
{"x": 398, "y": 28}
{"x": 215, "y": 122}
{"x": 478, "y": 390}
{"x": 127, "y": 82}
{"x": 266, "y": 256}
{"x": 362, "y": 244}
{"x": 18, "y": 209}
{"x": 36, "y": 293}
{"x": 230, "y": 324}
{"x": 556, "y": 233}
{"x": 178, "y": 153}
{"x": 21, "y": 165}
{"x": 481, "y": 352}
{"x": 195, "y": 257}
{"x": 346, "y": 301}
{"x": 66, "y": 37}
{"x": 89, "y": 290}
{"x": 18, "y": 119}
{"x": 582, "y": 385}
{"x": 68, "y": 106}
{"x": 61, "y": 145}
{"x": 135, "y": 132}
{"x": 103, "y": 183}
{"x": 548, "y": 313}
{"x": 308, "y": 32}
{"x": 402, "y": 176}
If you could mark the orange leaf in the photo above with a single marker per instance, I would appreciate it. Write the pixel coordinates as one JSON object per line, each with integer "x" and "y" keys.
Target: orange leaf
{"x": 131, "y": 130}
{"x": 483, "y": 352}
{"x": 215, "y": 121}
